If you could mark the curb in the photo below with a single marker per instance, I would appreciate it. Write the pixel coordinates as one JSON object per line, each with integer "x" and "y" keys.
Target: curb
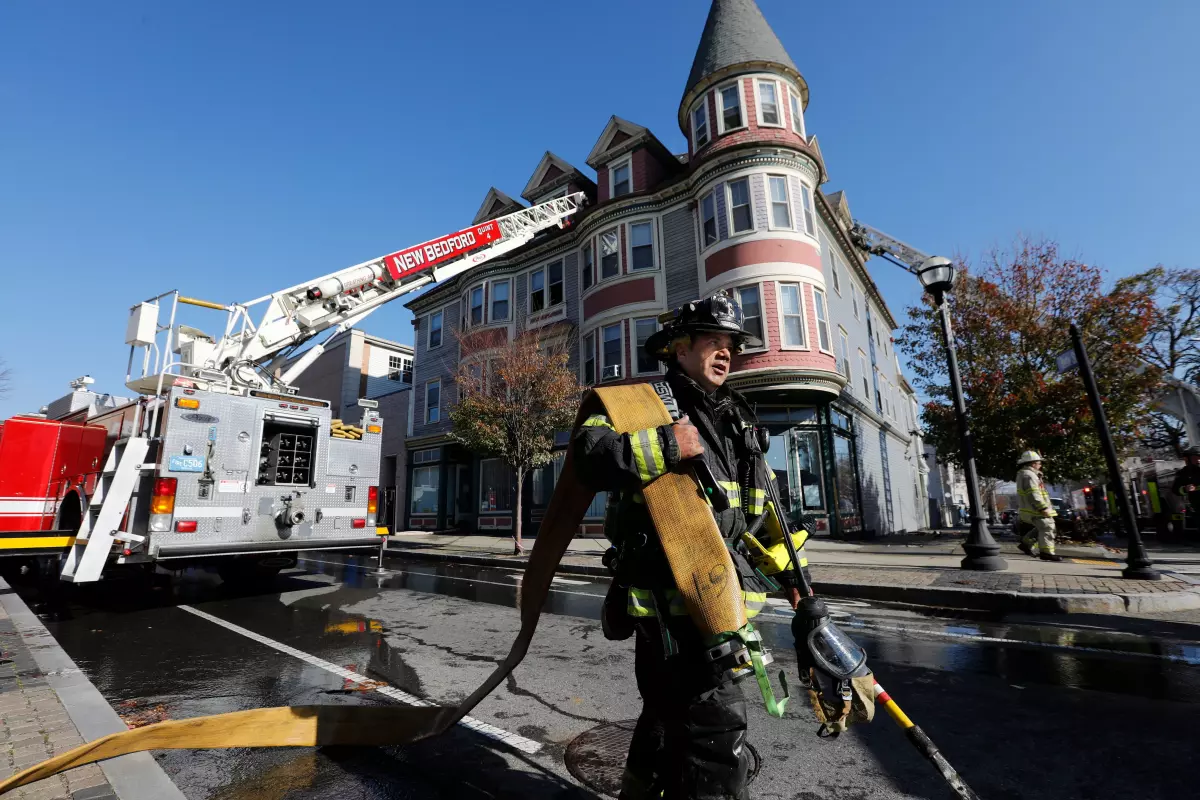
{"x": 973, "y": 599}
{"x": 133, "y": 777}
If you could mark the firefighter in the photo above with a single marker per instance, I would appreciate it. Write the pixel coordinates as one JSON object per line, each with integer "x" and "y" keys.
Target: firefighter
{"x": 1187, "y": 479}
{"x": 690, "y": 740}
{"x": 1037, "y": 513}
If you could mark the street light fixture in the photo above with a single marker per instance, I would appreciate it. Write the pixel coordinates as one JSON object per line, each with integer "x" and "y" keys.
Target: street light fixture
{"x": 936, "y": 274}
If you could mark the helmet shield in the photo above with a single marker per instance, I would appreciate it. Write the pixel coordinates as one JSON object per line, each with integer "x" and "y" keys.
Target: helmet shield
{"x": 834, "y": 652}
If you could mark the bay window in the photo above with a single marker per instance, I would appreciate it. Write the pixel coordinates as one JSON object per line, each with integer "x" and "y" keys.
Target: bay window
{"x": 730, "y": 107}
{"x": 792, "y": 310}
{"x": 610, "y": 254}
{"x": 708, "y": 218}
{"x": 546, "y": 287}
{"x": 768, "y": 103}
{"x": 781, "y": 213}
{"x": 641, "y": 245}
{"x": 611, "y": 342}
{"x": 741, "y": 216}
{"x": 748, "y": 298}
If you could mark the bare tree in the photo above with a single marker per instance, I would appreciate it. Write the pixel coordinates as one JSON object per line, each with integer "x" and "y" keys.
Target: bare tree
{"x": 513, "y": 397}
{"x": 5, "y": 379}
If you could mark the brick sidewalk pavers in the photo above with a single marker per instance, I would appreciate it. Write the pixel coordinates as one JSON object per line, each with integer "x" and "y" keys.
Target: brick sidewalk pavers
{"x": 34, "y": 726}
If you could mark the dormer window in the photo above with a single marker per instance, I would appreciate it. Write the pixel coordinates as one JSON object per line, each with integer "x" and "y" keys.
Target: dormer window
{"x": 700, "y": 125}
{"x": 731, "y": 107}
{"x": 768, "y": 103}
{"x": 622, "y": 181}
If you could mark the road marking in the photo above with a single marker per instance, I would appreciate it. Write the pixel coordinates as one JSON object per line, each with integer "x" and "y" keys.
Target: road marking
{"x": 490, "y": 731}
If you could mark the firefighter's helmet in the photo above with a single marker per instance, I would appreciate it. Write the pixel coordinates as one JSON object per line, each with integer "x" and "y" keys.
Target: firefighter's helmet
{"x": 1191, "y": 451}
{"x": 719, "y": 314}
{"x": 1028, "y": 457}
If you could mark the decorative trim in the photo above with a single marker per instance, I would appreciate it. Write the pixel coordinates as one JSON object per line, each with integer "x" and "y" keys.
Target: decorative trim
{"x": 787, "y": 378}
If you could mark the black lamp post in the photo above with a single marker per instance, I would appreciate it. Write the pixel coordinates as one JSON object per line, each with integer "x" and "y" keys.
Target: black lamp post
{"x": 937, "y": 276}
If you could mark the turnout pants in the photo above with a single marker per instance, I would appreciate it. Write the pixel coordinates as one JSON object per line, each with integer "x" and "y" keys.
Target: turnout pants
{"x": 1041, "y": 528}
{"x": 689, "y": 743}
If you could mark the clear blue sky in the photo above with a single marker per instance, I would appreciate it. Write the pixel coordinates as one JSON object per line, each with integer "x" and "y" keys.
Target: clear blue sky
{"x": 228, "y": 149}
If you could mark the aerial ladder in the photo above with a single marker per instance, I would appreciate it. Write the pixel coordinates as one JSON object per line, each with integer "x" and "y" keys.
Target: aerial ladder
{"x": 258, "y": 355}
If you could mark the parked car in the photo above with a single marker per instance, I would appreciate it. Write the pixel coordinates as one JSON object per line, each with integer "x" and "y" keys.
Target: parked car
{"x": 1008, "y": 516}
{"x": 1066, "y": 512}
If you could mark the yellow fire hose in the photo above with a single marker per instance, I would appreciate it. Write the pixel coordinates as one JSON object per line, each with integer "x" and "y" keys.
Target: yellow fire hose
{"x": 703, "y": 570}
{"x": 924, "y": 744}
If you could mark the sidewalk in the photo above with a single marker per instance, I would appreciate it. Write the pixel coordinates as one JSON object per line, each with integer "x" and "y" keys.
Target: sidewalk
{"x": 48, "y": 706}
{"x": 921, "y": 569}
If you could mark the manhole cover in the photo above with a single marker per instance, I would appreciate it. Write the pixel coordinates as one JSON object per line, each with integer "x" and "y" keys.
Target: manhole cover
{"x": 597, "y": 757}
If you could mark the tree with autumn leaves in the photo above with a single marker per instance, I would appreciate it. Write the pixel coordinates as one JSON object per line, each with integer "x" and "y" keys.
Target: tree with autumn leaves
{"x": 513, "y": 397}
{"x": 1010, "y": 316}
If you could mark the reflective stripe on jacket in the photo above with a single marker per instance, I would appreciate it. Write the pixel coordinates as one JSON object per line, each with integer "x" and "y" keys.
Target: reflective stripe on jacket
{"x": 1032, "y": 496}
{"x": 642, "y": 603}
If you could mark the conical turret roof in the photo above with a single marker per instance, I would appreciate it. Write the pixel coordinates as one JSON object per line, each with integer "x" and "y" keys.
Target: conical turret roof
{"x": 736, "y": 33}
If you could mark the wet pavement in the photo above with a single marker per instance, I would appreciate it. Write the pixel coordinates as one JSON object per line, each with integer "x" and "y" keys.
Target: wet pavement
{"x": 1023, "y": 707}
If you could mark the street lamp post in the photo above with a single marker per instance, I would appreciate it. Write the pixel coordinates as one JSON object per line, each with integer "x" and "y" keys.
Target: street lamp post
{"x": 983, "y": 553}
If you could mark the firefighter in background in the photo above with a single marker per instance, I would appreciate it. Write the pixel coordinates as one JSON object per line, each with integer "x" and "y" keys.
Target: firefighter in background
{"x": 690, "y": 740}
{"x": 1037, "y": 513}
{"x": 1187, "y": 479}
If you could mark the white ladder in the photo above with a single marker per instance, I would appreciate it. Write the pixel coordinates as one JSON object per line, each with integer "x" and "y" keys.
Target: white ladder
{"x": 106, "y": 507}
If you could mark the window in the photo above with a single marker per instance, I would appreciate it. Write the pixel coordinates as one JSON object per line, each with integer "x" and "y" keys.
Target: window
{"x": 546, "y": 287}
{"x": 845, "y": 345}
{"x": 500, "y": 293}
{"x": 433, "y": 401}
{"x": 545, "y": 479}
{"x": 806, "y": 197}
{"x": 589, "y": 258}
{"x": 621, "y": 183}
{"x": 495, "y": 486}
{"x": 740, "y": 213}
{"x": 612, "y": 352}
{"x": 768, "y": 103}
{"x": 708, "y": 218}
{"x": 854, "y": 297}
{"x": 435, "y": 330}
{"x": 477, "y": 305}
{"x": 700, "y": 125}
{"x": 748, "y": 299}
{"x": 643, "y": 328}
{"x": 400, "y": 369}
{"x": 781, "y": 214}
{"x": 610, "y": 254}
{"x": 589, "y": 359}
{"x": 424, "y": 490}
{"x": 641, "y": 245}
{"x": 862, "y": 369}
{"x": 797, "y": 113}
{"x": 731, "y": 107}
{"x": 793, "y": 316}
{"x": 837, "y": 270}
{"x": 822, "y": 320}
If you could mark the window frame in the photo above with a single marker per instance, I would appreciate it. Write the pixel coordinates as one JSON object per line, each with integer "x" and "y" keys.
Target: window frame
{"x": 844, "y": 345}
{"x": 624, "y": 161}
{"x": 820, "y": 307}
{"x": 708, "y": 131}
{"x": 545, "y": 269}
{"x": 399, "y": 369}
{"x": 807, "y": 210}
{"x": 729, "y": 206}
{"x": 491, "y": 300}
{"x": 783, "y": 345}
{"x": 772, "y": 202}
{"x": 588, "y": 351}
{"x": 862, "y": 367}
{"x": 651, "y": 223}
{"x": 428, "y": 384}
{"x": 712, "y": 195}
{"x": 441, "y": 314}
{"x": 469, "y": 304}
{"x": 796, "y": 109}
{"x": 762, "y": 318}
{"x": 836, "y": 260}
{"x": 600, "y": 276}
{"x": 587, "y": 257}
{"x": 637, "y": 348}
{"x": 436, "y": 472}
{"x": 721, "y": 129}
{"x": 620, "y": 326}
{"x": 758, "y": 104}
{"x": 854, "y": 295}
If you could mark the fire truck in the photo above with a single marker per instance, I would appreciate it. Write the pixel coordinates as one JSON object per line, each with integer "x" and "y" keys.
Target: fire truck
{"x": 219, "y": 460}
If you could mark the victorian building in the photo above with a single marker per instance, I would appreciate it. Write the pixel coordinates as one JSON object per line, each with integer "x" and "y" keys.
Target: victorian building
{"x": 742, "y": 210}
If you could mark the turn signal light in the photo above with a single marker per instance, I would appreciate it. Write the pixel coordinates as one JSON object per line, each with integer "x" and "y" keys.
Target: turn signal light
{"x": 163, "y": 500}
{"x": 187, "y": 402}
{"x": 374, "y": 429}
{"x": 185, "y": 526}
{"x": 358, "y": 523}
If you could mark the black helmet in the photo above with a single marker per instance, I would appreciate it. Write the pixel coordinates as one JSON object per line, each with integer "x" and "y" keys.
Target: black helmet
{"x": 719, "y": 314}
{"x": 1191, "y": 451}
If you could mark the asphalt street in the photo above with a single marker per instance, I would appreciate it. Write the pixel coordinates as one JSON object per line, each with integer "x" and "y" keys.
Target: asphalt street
{"x": 1070, "y": 707}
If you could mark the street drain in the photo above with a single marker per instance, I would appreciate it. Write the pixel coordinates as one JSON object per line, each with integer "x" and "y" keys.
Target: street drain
{"x": 596, "y": 758}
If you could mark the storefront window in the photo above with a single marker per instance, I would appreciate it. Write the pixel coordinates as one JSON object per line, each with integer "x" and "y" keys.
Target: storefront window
{"x": 495, "y": 486}
{"x": 846, "y": 483}
{"x": 596, "y": 509}
{"x": 795, "y": 456}
{"x": 425, "y": 490}
{"x": 545, "y": 479}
